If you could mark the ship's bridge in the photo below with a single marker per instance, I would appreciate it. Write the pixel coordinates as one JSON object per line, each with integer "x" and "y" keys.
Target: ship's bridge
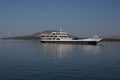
{"x": 59, "y": 33}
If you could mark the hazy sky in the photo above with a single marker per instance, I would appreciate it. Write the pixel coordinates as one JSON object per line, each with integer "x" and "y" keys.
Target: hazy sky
{"x": 78, "y": 17}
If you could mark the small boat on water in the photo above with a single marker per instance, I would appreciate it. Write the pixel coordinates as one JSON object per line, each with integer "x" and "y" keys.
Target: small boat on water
{"x": 64, "y": 37}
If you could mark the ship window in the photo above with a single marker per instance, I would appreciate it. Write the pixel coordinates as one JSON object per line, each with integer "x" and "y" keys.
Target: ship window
{"x": 57, "y": 39}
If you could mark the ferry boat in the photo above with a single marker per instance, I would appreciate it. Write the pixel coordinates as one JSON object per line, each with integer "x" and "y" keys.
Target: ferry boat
{"x": 64, "y": 37}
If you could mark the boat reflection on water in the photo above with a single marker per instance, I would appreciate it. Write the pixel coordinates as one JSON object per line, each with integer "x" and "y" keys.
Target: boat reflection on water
{"x": 59, "y": 50}
{"x": 63, "y": 49}
{"x": 90, "y": 48}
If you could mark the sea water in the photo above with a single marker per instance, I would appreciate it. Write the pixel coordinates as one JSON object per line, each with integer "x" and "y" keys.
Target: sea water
{"x": 32, "y": 60}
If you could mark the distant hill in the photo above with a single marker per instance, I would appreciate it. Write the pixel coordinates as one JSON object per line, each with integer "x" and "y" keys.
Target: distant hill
{"x": 39, "y": 33}
{"x": 112, "y": 38}
{"x": 23, "y": 38}
{"x": 35, "y": 36}
{"x": 115, "y": 36}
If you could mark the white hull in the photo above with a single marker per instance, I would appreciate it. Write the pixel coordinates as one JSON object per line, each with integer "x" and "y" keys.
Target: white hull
{"x": 81, "y": 41}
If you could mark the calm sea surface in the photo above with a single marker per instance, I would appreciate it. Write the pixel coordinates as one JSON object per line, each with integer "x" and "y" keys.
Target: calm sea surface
{"x": 32, "y": 60}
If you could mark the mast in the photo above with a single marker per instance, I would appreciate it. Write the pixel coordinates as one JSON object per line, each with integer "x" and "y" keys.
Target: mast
{"x": 61, "y": 30}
